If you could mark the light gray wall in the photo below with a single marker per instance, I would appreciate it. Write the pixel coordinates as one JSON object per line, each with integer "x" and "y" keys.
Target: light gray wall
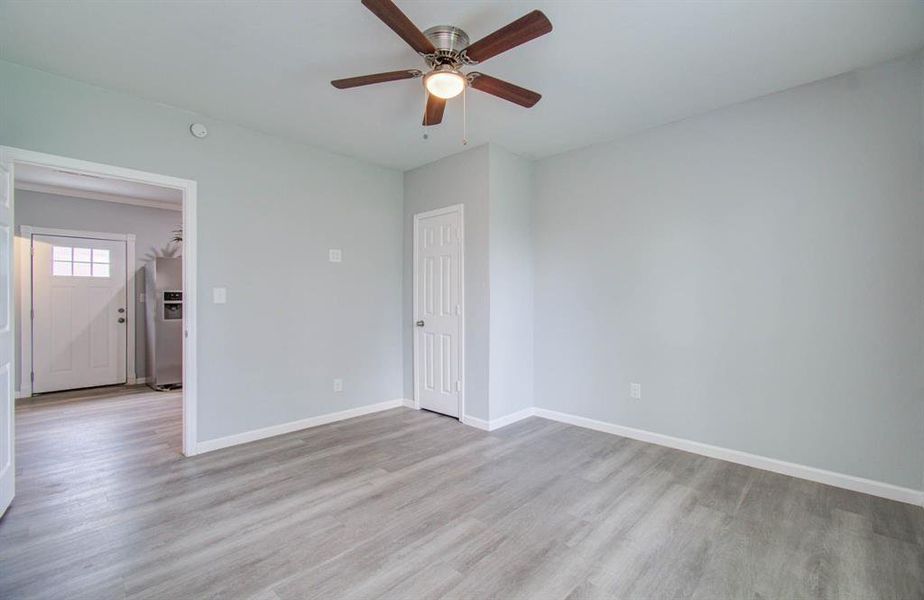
{"x": 759, "y": 270}
{"x": 153, "y": 229}
{"x": 495, "y": 187}
{"x": 458, "y": 179}
{"x": 511, "y": 286}
{"x": 268, "y": 212}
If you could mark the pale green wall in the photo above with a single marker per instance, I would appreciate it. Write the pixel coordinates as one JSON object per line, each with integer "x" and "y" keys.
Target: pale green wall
{"x": 495, "y": 187}
{"x": 511, "y": 259}
{"x": 758, "y": 269}
{"x": 426, "y": 189}
{"x": 268, "y": 212}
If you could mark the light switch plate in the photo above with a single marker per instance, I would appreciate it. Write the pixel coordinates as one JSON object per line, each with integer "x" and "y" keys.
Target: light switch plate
{"x": 220, "y": 295}
{"x": 635, "y": 391}
{"x": 335, "y": 254}
{"x": 338, "y": 385}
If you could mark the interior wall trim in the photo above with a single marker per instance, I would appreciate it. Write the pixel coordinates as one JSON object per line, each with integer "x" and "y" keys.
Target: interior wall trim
{"x": 89, "y": 195}
{"x": 283, "y": 428}
{"x": 841, "y": 480}
{"x": 475, "y": 422}
{"x": 499, "y": 422}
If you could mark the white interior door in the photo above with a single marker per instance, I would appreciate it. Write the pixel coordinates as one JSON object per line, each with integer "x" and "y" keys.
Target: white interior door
{"x": 79, "y": 319}
{"x": 438, "y": 310}
{"x": 7, "y": 469}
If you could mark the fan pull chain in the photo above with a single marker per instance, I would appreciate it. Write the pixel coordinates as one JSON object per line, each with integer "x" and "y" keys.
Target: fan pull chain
{"x": 464, "y": 119}
{"x": 426, "y": 136}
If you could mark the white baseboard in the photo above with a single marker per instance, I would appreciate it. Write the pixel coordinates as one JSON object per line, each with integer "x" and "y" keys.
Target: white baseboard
{"x": 475, "y": 422}
{"x": 495, "y": 424}
{"x": 849, "y": 482}
{"x": 486, "y": 425}
{"x": 26, "y": 390}
{"x": 511, "y": 418}
{"x": 274, "y": 430}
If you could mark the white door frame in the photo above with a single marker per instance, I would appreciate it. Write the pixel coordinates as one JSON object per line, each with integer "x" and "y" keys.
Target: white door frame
{"x": 25, "y": 294}
{"x": 10, "y": 157}
{"x": 460, "y": 209}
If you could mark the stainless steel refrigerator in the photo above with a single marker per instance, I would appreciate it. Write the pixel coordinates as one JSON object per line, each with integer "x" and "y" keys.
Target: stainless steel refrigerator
{"x": 164, "y": 320}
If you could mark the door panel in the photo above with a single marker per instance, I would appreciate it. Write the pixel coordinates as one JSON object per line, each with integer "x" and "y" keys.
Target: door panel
{"x": 61, "y": 320}
{"x": 7, "y": 465}
{"x": 438, "y": 289}
{"x": 78, "y": 300}
{"x": 101, "y": 325}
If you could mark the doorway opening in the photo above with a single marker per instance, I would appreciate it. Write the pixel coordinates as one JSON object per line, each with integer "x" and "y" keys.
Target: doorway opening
{"x": 439, "y": 311}
{"x": 105, "y": 302}
{"x": 76, "y": 313}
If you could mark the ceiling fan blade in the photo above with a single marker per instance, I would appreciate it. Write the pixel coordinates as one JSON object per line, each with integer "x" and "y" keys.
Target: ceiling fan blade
{"x": 349, "y": 82}
{"x": 503, "y": 89}
{"x": 433, "y": 114}
{"x": 392, "y": 16}
{"x": 526, "y": 28}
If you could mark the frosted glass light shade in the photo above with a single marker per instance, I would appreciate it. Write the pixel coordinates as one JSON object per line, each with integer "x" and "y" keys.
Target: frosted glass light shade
{"x": 444, "y": 84}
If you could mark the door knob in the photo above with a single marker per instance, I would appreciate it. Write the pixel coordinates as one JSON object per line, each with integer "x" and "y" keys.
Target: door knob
{"x": 121, "y": 319}
{"x": 420, "y": 323}
{"x": 121, "y": 310}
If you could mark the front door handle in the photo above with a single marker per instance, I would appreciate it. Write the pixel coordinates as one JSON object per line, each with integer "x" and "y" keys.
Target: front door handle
{"x": 420, "y": 323}
{"x": 121, "y": 319}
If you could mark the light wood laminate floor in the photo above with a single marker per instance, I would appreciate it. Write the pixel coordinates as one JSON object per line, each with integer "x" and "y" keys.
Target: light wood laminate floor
{"x": 407, "y": 504}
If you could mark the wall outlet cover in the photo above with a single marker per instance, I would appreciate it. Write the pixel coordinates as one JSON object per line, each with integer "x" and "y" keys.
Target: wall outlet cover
{"x": 635, "y": 391}
{"x": 338, "y": 385}
{"x": 220, "y": 295}
{"x": 335, "y": 255}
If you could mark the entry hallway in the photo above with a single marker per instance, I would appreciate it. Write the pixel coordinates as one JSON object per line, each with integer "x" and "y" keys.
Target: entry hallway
{"x": 408, "y": 504}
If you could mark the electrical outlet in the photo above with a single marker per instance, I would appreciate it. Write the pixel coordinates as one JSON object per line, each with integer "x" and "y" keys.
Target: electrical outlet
{"x": 338, "y": 385}
{"x": 635, "y": 391}
{"x": 335, "y": 255}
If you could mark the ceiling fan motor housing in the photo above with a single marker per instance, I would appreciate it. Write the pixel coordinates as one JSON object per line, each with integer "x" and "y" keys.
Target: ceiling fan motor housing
{"x": 449, "y": 42}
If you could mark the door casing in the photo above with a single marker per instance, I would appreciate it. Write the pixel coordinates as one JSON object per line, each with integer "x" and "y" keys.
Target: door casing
{"x": 7, "y": 339}
{"x": 25, "y": 268}
{"x": 460, "y": 209}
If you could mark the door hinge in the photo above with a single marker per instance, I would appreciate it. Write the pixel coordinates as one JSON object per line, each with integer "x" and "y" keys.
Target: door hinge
{"x": 458, "y": 386}
{"x": 32, "y": 376}
{"x": 32, "y": 314}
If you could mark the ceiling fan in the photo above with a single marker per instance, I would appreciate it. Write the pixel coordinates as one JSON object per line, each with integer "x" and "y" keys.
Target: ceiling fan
{"x": 446, "y": 49}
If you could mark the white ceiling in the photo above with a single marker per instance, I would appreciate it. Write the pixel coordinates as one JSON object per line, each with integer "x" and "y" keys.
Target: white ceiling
{"x": 55, "y": 181}
{"x": 607, "y": 69}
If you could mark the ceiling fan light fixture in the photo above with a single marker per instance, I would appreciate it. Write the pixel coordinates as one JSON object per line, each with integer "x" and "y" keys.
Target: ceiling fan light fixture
{"x": 444, "y": 83}
{"x": 445, "y": 49}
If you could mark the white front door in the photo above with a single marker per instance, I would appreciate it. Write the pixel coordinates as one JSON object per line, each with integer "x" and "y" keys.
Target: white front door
{"x": 7, "y": 469}
{"x": 79, "y": 319}
{"x": 438, "y": 310}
